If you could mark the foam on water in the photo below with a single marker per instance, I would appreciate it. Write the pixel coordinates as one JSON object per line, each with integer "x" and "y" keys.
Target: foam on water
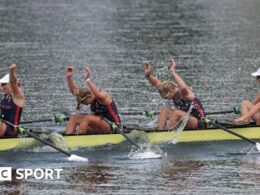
{"x": 145, "y": 155}
{"x": 146, "y": 152}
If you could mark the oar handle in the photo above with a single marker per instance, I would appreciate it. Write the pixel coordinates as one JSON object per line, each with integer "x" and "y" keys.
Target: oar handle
{"x": 148, "y": 113}
{"x": 235, "y": 110}
{"x": 220, "y": 112}
{"x": 59, "y": 118}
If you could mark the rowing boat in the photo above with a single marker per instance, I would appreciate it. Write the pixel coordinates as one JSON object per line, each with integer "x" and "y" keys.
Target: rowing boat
{"x": 153, "y": 137}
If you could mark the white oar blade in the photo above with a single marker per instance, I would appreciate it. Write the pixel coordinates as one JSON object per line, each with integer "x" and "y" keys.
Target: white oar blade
{"x": 258, "y": 146}
{"x": 77, "y": 158}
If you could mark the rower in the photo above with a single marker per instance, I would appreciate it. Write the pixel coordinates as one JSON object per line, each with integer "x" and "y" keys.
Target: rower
{"x": 251, "y": 109}
{"x": 182, "y": 96}
{"x": 12, "y": 103}
{"x": 104, "y": 110}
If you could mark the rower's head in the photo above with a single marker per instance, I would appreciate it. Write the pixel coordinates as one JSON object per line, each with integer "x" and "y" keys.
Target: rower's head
{"x": 168, "y": 89}
{"x": 257, "y": 75}
{"x": 84, "y": 96}
{"x": 4, "y": 81}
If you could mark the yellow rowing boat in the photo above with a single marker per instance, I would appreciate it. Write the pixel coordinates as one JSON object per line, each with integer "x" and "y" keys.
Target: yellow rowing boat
{"x": 77, "y": 141}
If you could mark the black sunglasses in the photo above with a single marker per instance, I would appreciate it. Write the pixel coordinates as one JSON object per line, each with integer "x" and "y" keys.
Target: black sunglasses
{"x": 257, "y": 77}
{"x": 4, "y": 84}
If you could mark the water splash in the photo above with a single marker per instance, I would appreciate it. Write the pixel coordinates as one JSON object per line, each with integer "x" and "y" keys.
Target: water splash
{"x": 250, "y": 150}
{"x": 153, "y": 123}
{"x": 146, "y": 152}
{"x": 58, "y": 140}
{"x": 180, "y": 125}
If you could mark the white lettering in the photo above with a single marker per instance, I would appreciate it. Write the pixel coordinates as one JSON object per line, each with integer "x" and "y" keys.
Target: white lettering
{"x": 48, "y": 173}
{"x": 27, "y": 173}
{"x": 58, "y": 172}
{"x": 19, "y": 174}
{"x": 38, "y": 173}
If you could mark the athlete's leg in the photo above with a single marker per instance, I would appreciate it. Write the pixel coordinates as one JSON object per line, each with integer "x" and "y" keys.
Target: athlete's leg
{"x": 73, "y": 122}
{"x": 177, "y": 115}
{"x": 2, "y": 128}
{"x": 163, "y": 117}
{"x": 93, "y": 124}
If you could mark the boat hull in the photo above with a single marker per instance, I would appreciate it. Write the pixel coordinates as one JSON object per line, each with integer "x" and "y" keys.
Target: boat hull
{"x": 77, "y": 141}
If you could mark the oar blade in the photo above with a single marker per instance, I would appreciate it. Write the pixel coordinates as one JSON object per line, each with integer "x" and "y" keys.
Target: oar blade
{"x": 258, "y": 146}
{"x": 74, "y": 157}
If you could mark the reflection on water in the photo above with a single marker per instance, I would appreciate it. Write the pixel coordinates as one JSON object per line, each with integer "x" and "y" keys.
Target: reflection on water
{"x": 216, "y": 45}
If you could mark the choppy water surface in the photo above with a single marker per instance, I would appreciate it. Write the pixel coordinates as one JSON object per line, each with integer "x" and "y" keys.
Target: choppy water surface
{"x": 216, "y": 45}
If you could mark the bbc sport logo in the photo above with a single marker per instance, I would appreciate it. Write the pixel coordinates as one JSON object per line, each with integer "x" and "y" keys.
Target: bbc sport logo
{"x": 5, "y": 173}
{"x": 19, "y": 174}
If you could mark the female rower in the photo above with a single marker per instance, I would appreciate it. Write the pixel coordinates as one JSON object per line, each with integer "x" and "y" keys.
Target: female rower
{"x": 12, "y": 104}
{"x": 182, "y": 96}
{"x": 251, "y": 110}
{"x": 101, "y": 104}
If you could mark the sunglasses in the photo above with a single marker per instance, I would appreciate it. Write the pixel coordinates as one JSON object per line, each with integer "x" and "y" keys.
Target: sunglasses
{"x": 4, "y": 84}
{"x": 82, "y": 99}
{"x": 257, "y": 77}
{"x": 166, "y": 95}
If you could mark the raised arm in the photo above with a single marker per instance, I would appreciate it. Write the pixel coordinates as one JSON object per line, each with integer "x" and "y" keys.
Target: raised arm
{"x": 72, "y": 86}
{"x": 17, "y": 92}
{"x": 172, "y": 67}
{"x": 101, "y": 95}
{"x": 148, "y": 73}
{"x": 180, "y": 82}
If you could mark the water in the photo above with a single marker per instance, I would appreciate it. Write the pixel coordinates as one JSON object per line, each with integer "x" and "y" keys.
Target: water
{"x": 216, "y": 46}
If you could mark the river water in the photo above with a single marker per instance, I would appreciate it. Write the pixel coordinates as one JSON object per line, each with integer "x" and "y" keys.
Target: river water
{"x": 216, "y": 45}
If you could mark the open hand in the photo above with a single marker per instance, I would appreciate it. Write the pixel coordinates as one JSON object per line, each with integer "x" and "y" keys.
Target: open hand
{"x": 87, "y": 72}
{"x": 172, "y": 65}
{"x": 69, "y": 71}
{"x": 147, "y": 68}
{"x": 12, "y": 67}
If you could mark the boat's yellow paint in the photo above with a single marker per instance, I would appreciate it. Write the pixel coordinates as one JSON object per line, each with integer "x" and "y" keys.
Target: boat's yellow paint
{"x": 76, "y": 141}
{"x": 16, "y": 143}
{"x": 93, "y": 140}
{"x": 219, "y": 134}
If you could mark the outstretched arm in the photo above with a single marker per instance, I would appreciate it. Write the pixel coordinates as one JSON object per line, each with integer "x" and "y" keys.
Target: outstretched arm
{"x": 72, "y": 86}
{"x": 101, "y": 95}
{"x": 17, "y": 92}
{"x": 148, "y": 73}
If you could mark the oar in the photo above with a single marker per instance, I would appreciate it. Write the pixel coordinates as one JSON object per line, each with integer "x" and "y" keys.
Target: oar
{"x": 120, "y": 130}
{"x": 26, "y": 131}
{"x": 232, "y": 132}
{"x": 147, "y": 113}
{"x": 59, "y": 118}
{"x": 141, "y": 154}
